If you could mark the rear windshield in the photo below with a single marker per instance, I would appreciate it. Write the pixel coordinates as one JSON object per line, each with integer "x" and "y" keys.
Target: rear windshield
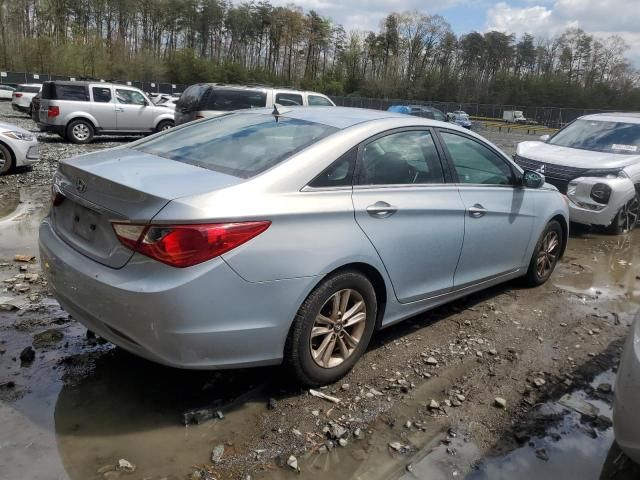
{"x": 26, "y": 89}
{"x": 227, "y": 100}
{"x": 191, "y": 98}
{"x": 598, "y": 136}
{"x": 242, "y": 145}
{"x": 57, "y": 91}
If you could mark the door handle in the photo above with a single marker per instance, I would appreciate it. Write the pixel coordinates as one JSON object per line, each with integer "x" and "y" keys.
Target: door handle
{"x": 119, "y": 109}
{"x": 477, "y": 211}
{"x": 381, "y": 210}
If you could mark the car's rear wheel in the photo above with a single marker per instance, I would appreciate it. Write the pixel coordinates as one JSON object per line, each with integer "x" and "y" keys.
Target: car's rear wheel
{"x": 164, "y": 125}
{"x": 80, "y": 131}
{"x": 332, "y": 329}
{"x": 6, "y": 160}
{"x": 626, "y": 218}
{"x": 545, "y": 255}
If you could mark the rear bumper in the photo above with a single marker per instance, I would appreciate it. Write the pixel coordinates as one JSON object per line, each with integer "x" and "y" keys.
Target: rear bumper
{"x": 200, "y": 317}
{"x": 45, "y": 127}
{"x": 626, "y": 421}
{"x": 19, "y": 108}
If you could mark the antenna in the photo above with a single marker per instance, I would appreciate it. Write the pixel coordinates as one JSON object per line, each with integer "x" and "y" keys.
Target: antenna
{"x": 279, "y": 110}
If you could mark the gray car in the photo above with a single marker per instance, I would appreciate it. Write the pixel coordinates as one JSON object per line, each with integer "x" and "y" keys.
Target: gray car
{"x": 77, "y": 111}
{"x": 264, "y": 236}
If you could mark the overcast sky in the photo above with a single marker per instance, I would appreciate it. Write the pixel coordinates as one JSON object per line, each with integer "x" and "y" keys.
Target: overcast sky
{"x": 539, "y": 17}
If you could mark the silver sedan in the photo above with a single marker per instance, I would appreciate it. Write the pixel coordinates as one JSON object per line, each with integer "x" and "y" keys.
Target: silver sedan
{"x": 290, "y": 235}
{"x": 18, "y": 148}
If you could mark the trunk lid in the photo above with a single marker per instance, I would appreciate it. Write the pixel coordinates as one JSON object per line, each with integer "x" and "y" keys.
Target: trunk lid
{"x": 120, "y": 185}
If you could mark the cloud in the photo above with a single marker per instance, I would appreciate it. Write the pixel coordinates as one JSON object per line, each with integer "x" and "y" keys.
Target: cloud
{"x": 366, "y": 14}
{"x": 600, "y": 17}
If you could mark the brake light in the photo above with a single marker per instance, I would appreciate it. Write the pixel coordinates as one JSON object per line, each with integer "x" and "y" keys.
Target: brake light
{"x": 198, "y": 117}
{"x": 187, "y": 245}
{"x": 53, "y": 112}
{"x": 17, "y": 94}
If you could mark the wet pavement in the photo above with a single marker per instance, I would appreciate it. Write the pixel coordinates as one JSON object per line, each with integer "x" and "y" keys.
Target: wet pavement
{"x": 81, "y": 405}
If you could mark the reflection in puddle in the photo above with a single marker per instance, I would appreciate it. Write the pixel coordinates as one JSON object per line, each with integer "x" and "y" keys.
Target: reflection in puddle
{"x": 569, "y": 448}
{"x": 21, "y": 213}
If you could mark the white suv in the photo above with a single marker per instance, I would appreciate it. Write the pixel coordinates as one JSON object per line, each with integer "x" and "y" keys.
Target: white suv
{"x": 21, "y": 97}
{"x": 210, "y": 99}
{"x": 595, "y": 162}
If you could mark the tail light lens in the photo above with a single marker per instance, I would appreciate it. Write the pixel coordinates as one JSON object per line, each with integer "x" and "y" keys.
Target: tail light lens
{"x": 187, "y": 245}
{"x": 53, "y": 112}
{"x": 17, "y": 94}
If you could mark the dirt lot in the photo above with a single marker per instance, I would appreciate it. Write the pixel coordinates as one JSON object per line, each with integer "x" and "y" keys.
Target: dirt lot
{"x": 420, "y": 404}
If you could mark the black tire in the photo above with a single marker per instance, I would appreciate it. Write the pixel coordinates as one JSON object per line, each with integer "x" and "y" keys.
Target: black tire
{"x": 626, "y": 219}
{"x": 80, "y": 131}
{"x": 164, "y": 125}
{"x": 298, "y": 356}
{"x": 7, "y": 161}
{"x": 537, "y": 276}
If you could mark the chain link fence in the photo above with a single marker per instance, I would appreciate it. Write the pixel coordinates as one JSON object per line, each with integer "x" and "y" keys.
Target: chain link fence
{"x": 15, "y": 78}
{"x": 553, "y": 117}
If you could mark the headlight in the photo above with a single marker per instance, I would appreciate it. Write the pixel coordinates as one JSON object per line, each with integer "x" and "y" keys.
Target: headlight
{"x": 27, "y": 137}
{"x": 601, "y": 192}
{"x": 606, "y": 173}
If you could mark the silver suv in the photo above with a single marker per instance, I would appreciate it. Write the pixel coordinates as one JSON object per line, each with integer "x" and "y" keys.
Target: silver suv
{"x": 79, "y": 110}
{"x": 210, "y": 99}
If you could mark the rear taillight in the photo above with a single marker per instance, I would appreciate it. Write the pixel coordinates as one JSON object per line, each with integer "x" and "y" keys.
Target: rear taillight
{"x": 56, "y": 197}
{"x": 17, "y": 94}
{"x": 53, "y": 112}
{"x": 186, "y": 245}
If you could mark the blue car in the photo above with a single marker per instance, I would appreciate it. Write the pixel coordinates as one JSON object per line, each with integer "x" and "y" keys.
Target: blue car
{"x": 460, "y": 118}
{"x": 419, "y": 111}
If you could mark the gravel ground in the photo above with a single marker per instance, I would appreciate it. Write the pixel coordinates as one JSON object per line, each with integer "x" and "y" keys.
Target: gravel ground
{"x": 423, "y": 399}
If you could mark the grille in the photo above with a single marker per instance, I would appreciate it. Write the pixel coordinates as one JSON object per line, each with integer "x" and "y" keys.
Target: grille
{"x": 557, "y": 175}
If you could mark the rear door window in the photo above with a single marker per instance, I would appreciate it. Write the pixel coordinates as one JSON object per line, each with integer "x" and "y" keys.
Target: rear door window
{"x": 58, "y": 91}
{"x": 227, "y": 100}
{"x": 289, "y": 99}
{"x": 318, "y": 101}
{"x": 101, "y": 94}
{"x": 238, "y": 144}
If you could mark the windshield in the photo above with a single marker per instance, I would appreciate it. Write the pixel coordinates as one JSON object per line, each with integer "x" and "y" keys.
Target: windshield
{"x": 242, "y": 145}
{"x": 600, "y": 136}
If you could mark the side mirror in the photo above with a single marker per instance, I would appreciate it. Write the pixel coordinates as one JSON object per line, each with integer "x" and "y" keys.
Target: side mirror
{"x": 545, "y": 138}
{"x": 531, "y": 179}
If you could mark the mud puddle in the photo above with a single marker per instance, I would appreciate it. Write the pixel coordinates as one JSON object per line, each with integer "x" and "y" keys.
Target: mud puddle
{"x": 81, "y": 406}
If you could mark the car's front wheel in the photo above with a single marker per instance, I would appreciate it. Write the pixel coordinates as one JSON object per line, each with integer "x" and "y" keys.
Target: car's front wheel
{"x": 545, "y": 255}
{"x": 626, "y": 218}
{"x": 80, "y": 131}
{"x": 6, "y": 160}
{"x": 164, "y": 125}
{"x": 332, "y": 329}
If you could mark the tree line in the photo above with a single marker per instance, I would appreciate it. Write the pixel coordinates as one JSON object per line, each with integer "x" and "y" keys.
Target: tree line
{"x": 411, "y": 55}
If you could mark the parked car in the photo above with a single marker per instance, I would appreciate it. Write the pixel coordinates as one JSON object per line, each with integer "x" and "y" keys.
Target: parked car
{"x": 77, "y": 111}
{"x": 257, "y": 237}
{"x": 168, "y": 101}
{"x": 460, "y": 118}
{"x": 626, "y": 423}
{"x": 22, "y": 96}
{"x": 419, "y": 111}
{"x": 18, "y": 148}
{"x": 595, "y": 161}
{"x": 209, "y": 100}
{"x": 35, "y": 108}
{"x": 6, "y": 92}
{"x": 514, "y": 116}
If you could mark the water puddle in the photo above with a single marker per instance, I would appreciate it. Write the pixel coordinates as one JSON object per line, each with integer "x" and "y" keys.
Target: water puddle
{"x": 21, "y": 213}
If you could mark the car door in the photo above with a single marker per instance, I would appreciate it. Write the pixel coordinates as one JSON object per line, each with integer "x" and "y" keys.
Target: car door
{"x": 103, "y": 107}
{"x": 412, "y": 217}
{"x": 499, "y": 214}
{"x": 133, "y": 111}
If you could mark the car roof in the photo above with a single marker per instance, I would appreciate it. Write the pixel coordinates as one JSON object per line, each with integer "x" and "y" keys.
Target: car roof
{"x": 628, "y": 117}
{"x": 341, "y": 117}
{"x": 29, "y": 84}
{"x": 262, "y": 88}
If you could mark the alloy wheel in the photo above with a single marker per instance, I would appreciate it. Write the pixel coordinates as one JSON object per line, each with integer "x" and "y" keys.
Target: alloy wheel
{"x": 338, "y": 328}
{"x": 628, "y": 216}
{"x": 80, "y": 131}
{"x": 548, "y": 254}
